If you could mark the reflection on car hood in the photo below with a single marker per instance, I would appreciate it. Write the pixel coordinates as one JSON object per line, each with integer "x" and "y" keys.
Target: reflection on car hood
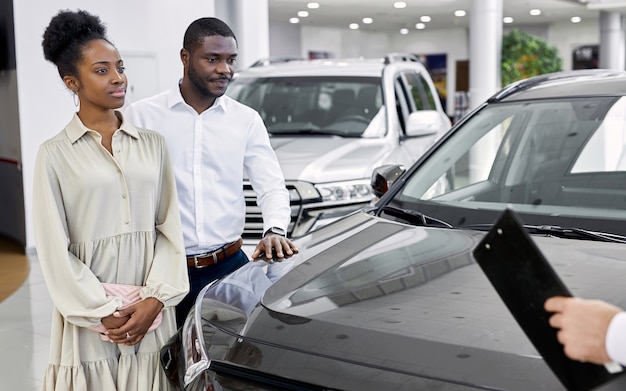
{"x": 388, "y": 297}
{"x": 321, "y": 159}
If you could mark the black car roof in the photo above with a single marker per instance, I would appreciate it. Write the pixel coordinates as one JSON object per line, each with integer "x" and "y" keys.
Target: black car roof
{"x": 587, "y": 82}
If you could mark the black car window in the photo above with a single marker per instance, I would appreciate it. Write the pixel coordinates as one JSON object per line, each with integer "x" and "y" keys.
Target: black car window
{"x": 553, "y": 158}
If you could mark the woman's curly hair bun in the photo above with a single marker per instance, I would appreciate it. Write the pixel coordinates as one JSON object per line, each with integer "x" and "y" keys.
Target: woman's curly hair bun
{"x": 67, "y": 32}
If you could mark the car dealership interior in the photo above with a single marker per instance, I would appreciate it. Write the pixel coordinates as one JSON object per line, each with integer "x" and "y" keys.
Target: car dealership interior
{"x": 459, "y": 41}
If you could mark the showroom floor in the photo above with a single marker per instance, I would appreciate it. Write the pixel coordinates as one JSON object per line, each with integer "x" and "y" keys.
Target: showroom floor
{"x": 25, "y": 333}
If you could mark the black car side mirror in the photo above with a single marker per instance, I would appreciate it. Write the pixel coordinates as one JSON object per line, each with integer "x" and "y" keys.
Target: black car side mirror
{"x": 384, "y": 176}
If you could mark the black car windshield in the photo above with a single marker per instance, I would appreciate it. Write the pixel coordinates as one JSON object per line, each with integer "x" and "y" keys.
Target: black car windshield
{"x": 556, "y": 162}
{"x": 339, "y": 106}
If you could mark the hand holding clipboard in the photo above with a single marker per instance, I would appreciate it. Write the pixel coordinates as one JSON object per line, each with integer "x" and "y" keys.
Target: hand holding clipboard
{"x": 583, "y": 326}
{"x": 524, "y": 280}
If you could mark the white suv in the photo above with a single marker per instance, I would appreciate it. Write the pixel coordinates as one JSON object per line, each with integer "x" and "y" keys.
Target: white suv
{"x": 331, "y": 122}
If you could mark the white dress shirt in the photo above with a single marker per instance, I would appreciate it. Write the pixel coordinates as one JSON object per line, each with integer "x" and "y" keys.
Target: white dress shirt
{"x": 209, "y": 152}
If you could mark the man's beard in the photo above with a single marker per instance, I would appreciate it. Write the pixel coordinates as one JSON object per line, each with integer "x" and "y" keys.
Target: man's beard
{"x": 200, "y": 84}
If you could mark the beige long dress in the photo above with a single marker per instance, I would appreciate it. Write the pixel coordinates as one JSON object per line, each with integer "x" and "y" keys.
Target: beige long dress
{"x": 102, "y": 217}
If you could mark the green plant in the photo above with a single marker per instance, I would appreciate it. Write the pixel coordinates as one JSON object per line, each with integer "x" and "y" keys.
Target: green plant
{"x": 525, "y": 55}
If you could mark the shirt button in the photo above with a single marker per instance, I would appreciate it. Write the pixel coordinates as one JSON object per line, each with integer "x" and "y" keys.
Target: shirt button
{"x": 124, "y": 196}
{"x": 127, "y": 223}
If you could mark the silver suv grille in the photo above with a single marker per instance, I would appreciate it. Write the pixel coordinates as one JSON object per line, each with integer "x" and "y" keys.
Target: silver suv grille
{"x": 253, "y": 228}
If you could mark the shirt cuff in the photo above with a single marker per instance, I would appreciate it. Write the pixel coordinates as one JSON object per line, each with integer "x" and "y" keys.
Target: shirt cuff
{"x": 616, "y": 338}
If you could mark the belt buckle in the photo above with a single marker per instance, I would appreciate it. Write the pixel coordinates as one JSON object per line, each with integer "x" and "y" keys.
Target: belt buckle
{"x": 195, "y": 262}
{"x": 213, "y": 255}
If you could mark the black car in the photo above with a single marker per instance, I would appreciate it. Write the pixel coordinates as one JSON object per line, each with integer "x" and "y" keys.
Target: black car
{"x": 392, "y": 298}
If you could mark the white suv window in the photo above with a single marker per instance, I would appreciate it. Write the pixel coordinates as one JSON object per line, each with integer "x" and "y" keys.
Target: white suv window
{"x": 341, "y": 105}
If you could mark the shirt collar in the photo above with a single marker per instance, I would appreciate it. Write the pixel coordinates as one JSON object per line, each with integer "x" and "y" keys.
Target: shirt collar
{"x": 76, "y": 129}
{"x": 175, "y": 98}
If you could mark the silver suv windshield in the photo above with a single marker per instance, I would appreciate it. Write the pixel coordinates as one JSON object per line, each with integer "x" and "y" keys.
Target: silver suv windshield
{"x": 559, "y": 162}
{"x": 343, "y": 106}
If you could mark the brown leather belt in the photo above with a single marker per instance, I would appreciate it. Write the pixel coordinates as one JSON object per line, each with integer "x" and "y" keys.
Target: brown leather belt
{"x": 217, "y": 256}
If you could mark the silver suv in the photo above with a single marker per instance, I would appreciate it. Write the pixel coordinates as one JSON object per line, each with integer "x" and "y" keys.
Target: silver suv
{"x": 331, "y": 122}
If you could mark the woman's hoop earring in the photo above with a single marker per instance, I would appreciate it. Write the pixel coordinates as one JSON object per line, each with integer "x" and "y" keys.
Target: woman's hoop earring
{"x": 75, "y": 99}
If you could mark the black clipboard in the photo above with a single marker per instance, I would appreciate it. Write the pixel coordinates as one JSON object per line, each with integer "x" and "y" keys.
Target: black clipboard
{"x": 525, "y": 280}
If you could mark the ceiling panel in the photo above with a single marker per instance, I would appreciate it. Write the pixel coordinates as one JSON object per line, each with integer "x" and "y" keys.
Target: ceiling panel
{"x": 340, "y": 13}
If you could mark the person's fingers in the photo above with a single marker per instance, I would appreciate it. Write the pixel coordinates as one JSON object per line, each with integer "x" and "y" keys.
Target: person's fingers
{"x": 133, "y": 339}
{"x": 292, "y": 247}
{"x": 288, "y": 247}
{"x": 128, "y": 311}
{"x": 274, "y": 248}
{"x": 265, "y": 246}
{"x": 556, "y": 320}
{"x": 257, "y": 251}
{"x": 126, "y": 335}
{"x": 118, "y": 335}
{"x": 279, "y": 250}
{"x": 572, "y": 352}
{"x": 560, "y": 336}
{"x": 263, "y": 249}
{"x": 555, "y": 304}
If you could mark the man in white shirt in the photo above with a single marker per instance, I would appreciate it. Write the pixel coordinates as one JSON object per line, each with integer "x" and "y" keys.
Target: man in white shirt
{"x": 590, "y": 330}
{"x": 212, "y": 139}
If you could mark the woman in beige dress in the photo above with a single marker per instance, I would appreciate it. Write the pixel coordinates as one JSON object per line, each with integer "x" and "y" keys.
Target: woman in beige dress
{"x": 105, "y": 212}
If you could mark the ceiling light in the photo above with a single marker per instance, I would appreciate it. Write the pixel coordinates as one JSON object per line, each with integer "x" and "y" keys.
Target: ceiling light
{"x": 294, "y": 20}
{"x": 368, "y": 20}
{"x": 459, "y": 13}
{"x": 303, "y": 14}
{"x": 425, "y": 18}
{"x": 420, "y": 26}
{"x": 313, "y": 6}
{"x": 399, "y": 4}
{"x": 404, "y": 31}
{"x": 354, "y": 26}
{"x": 535, "y": 12}
{"x": 576, "y": 19}
{"x": 507, "y": 19}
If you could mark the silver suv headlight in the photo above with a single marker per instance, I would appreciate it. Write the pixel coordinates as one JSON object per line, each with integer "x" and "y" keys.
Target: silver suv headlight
{"x": 347, "y": 191}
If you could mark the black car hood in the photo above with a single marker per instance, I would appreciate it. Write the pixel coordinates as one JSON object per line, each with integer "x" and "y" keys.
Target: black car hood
{"x": 371, "y": 298}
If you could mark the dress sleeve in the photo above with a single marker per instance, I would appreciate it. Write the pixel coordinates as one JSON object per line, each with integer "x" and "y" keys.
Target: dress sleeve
{"x": 167, "y": 279}
{"x": 75, "y": 291}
